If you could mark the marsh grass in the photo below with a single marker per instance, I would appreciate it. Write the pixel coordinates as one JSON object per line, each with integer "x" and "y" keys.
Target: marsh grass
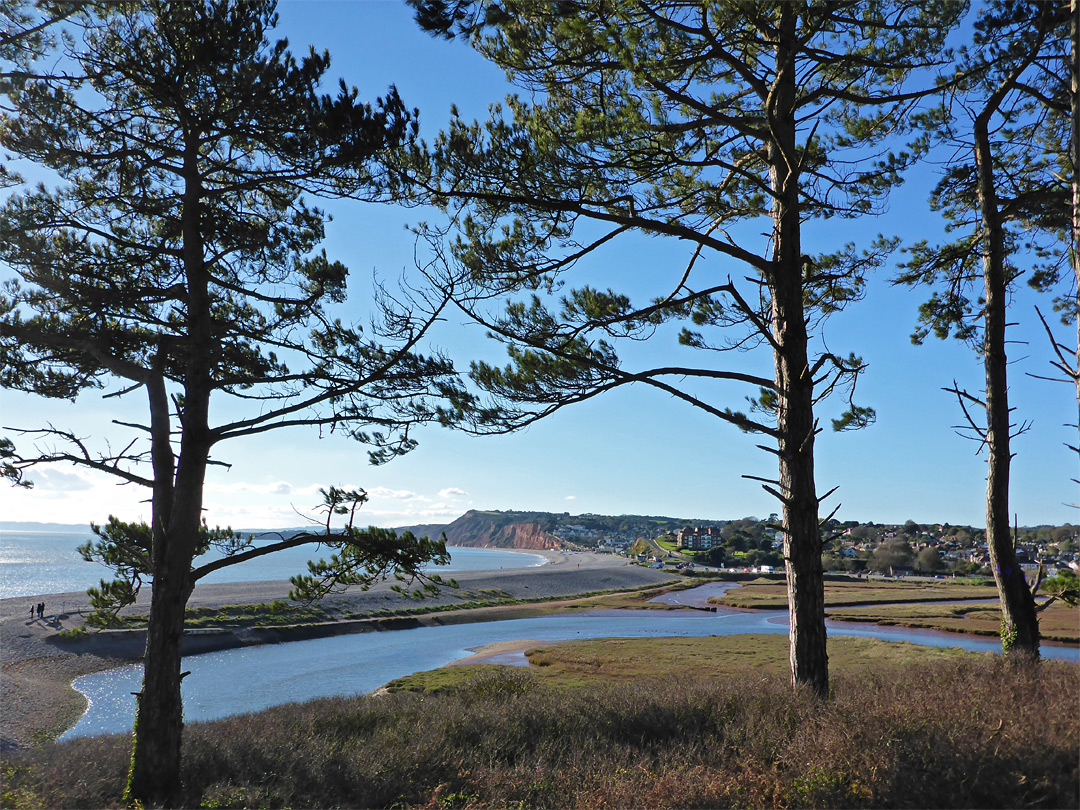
{"x": 1059, "y": 622}
{"x": 259, "y": 614}
{"x": 277, "y": 612}
{"x": 932, "y": 605}
{"x": 771, "y": 593}
{"x": 280, "y": 613}
{"x": 592, "y": 662}
{"x": 962, "y": 731}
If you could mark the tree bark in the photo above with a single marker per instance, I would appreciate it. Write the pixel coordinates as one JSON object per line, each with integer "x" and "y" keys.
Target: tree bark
{"x": 154, "y": 778}
{"x": 1074, "y": 160}
{"x": 795, "y": 390}
{"x": 1019, "y": 622}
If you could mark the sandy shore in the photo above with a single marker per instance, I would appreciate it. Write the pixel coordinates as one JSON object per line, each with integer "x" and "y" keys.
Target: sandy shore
{"x": 37, "y": 702}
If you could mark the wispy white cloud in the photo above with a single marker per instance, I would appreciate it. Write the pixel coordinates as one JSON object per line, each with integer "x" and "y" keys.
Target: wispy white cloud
{"x": 394, "y": 494}
{"x": 452, "y": 492}
{"x": 280, "y": 488}
{"x": 570, "y": 498}
{"x": 58, "y": 481}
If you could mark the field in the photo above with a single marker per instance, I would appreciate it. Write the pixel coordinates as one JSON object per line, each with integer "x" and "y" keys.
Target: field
{"x": 1059, "y": 622}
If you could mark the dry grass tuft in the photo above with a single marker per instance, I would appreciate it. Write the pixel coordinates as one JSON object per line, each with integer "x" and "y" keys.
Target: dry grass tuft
{"x": 973, "y": 732}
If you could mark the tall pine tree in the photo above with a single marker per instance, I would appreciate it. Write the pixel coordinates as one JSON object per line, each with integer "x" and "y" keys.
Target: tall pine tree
{"x": 177, "y": 261}
{"x": 728, "y": 128}
{"x": 1005, "y": 196}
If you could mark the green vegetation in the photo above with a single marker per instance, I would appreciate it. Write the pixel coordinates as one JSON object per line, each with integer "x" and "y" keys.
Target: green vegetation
{"x": 634, "y": 597}
{"x": 261, "y": 614}
{"x": 667, "y": 544}
{"x": 906, "y": 727}
{"x": 274, "y": 613}
{"x": 279, "y": 613}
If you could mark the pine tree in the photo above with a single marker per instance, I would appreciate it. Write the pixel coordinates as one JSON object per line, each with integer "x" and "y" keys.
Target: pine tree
{"x": 178, "y": 261}
{"x": 705, "y": 123}
{"x": 1004, "y": 195}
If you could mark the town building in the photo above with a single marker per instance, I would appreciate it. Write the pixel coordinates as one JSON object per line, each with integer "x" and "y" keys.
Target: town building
{"x": 702, "y": 538}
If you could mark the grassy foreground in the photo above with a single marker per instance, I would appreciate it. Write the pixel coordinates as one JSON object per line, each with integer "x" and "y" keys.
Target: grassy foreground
{"x": 597, "y": 728}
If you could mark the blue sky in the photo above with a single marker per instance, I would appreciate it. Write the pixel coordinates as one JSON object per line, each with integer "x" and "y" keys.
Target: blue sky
{"x": 634, "y": 451}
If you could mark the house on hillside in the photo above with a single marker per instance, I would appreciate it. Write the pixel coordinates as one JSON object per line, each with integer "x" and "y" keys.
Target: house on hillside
{"x": 702, "y": 538}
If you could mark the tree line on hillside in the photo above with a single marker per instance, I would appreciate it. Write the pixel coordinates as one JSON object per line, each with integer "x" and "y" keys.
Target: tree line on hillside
{"x": 931, "y": 549}
{"x": 173, "y": 255}
{"x": 945, "y": 549}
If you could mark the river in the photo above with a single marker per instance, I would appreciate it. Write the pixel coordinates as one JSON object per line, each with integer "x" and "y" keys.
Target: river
{"x": 254, "y": 678}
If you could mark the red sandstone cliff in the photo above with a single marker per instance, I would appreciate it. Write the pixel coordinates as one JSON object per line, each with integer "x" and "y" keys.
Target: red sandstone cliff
{"x": 525, "y": 535}
{"x": 479, "y": 529}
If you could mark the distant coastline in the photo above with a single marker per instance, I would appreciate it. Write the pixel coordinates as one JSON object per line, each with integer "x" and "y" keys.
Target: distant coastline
{"x": 32, "y": 527}
{"x": 78, "y": 528}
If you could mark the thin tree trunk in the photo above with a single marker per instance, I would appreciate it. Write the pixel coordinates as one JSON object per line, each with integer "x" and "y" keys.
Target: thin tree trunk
{"x": 1019, "y": 623}
{"x": 795, "y": 419}
{"x": 1074, "y": 151}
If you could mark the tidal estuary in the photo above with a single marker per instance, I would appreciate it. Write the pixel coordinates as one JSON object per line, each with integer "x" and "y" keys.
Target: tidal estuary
{"x": 250, "y": 679}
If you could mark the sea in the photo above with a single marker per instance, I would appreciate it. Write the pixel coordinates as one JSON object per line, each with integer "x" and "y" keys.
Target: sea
{"x": 36, "y": 563}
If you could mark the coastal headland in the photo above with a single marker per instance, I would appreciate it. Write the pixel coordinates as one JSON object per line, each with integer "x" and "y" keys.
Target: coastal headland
{"x": 37, "y": 664}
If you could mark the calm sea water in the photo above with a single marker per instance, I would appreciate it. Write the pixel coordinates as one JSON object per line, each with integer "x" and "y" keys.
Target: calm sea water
{"x": 37, "y": 563}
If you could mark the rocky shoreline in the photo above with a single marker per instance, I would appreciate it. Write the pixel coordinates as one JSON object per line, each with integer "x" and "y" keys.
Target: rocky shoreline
{"x": 37, "y": 665}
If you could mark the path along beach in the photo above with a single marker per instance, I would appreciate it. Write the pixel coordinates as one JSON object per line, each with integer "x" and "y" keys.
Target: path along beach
{"x": 37, "y": 701}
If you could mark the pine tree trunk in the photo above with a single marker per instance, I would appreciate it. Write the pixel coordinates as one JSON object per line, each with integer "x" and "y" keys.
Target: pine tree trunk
{"x": 154, "y": 778}
{"x": 795, "y": 391}
{"x": 802, "y": 545}
{"x": 177, "y": 515}
{"x": 1074, "y": 151}
{"x": 1019, "y": 622}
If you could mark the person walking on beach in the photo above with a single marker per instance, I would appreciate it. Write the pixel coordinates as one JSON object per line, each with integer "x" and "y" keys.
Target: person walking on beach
{"x": 33, "y": 609}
